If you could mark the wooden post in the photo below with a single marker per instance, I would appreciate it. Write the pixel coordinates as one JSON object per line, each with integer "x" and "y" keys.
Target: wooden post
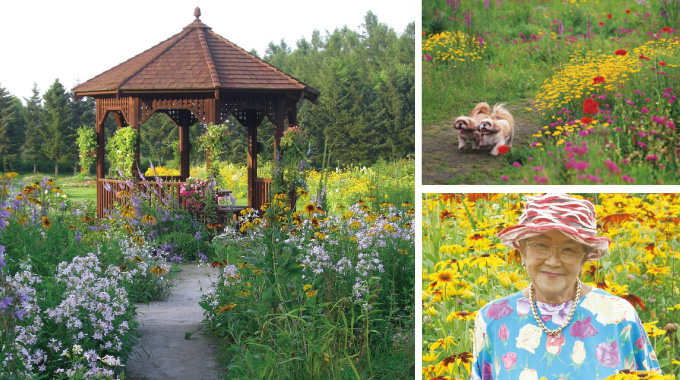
{"x": 134, "y": 123}
{"x": 251, "y": 124}
{"x": 184, "y": 145}
{"x": 101, "y": 142}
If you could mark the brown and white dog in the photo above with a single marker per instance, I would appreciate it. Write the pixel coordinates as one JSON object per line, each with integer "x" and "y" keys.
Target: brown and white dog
{"x": 497, "y": 129}
{"x": 467, "y": 126}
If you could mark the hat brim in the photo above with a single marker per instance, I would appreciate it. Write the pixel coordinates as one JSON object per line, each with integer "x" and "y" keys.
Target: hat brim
{"x": 512, "y": 235}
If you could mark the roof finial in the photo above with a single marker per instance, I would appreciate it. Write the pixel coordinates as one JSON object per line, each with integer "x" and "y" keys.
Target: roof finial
{"x": 197, "y": 13}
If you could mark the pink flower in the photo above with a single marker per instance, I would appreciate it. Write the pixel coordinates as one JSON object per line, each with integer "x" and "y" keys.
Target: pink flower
{"x": 498, "y": 310}
{"x": 652, "y": 157}
{"x": 509, "y": 360}
{"x": 504, "y": 178}
{"x": 503, "y": 332}
{"x": 554, "y": 344}
{"x": 516, "y": 164}
{"x": 582, "y": 329}
{"x": 613, "y": 168}
{"x": 538, "y": 168}
{"x": 644, "y": 110}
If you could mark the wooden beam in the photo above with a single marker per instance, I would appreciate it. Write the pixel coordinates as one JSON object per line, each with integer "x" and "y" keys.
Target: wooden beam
{"x": 251, "y": 125}
{"x": 184, "y": 145}
{"x": 134, "y": 123}
{"x": 101, "y": 144}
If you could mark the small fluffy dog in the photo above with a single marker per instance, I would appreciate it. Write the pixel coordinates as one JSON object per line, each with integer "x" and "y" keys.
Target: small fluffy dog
{"x": 467, "y": 126}
{"x": 497, "y": 129}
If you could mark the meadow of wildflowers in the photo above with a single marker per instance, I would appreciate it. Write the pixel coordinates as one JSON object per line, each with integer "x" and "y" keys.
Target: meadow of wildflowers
{"x": 69, "y": 281}
{"x": 623, "y": 56}
{"x": 465, "y": 266}
{"x": 331, "y": 284}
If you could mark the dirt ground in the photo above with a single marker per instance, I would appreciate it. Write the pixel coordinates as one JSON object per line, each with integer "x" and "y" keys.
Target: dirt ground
{"x": 164, "y": 353}
{"x": 444, "y": 164}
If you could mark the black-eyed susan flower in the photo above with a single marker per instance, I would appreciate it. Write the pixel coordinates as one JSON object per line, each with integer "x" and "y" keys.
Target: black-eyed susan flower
{"x": 46, "y": 222}
{"x": 226, "y": 307}
{"x": 159, "y": 271}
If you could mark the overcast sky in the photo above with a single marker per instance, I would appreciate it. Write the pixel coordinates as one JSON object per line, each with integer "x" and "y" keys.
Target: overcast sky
{"x": 74, "y": 41}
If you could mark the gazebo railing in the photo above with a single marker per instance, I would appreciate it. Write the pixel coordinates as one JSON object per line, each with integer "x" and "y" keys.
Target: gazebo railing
{"x": 107, "y": 199}
{"x": 261, "y": 191}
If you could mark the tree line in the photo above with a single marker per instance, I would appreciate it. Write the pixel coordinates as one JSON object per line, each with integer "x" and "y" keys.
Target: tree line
{"x": 366, "y": 110}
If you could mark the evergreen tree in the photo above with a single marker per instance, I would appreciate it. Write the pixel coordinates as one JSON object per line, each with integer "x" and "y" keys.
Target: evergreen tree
{"x": 7, "y": 110}
{"x": 33, "y": 118}
{"x": 57, "y": 124}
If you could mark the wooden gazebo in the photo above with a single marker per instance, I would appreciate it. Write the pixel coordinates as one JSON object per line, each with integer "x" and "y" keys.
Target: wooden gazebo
{"x": 195, "y": 76}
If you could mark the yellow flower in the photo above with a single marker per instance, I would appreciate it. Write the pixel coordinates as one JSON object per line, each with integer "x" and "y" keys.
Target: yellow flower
{"x": 652, "y": 330}
{"x": 310, "y": 293}
{"x": 148, "y": 220}
{"x": 159, "y": 271}
{"x": 443, "y": 343}
{"x": 224, "y": 308}
{"x": 461, "y": 316}
{"x": 430, "y": 356}
{"x": 46, "y": 222}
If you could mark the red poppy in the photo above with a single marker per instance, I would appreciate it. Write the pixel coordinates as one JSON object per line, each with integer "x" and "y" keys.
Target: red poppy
{"x": 642, "y": 56}
{"x": 621, "y": 52}
{"x": 500, "y": 64}
{"x": 590, "y": 106}
{"x": 666, "y": 29}
{"x": 627, "y": 11}
{"x": 662, "y": 63}
{"x": 609, "y": 16}
{"x": 503, "y": 149}
{"x": 601, "y": 23}
{"x": 598, "y": 79}
{"x": 586, "y": 120}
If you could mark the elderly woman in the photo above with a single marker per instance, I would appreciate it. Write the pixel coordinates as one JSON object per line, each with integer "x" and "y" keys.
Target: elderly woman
{"x": 558, "y": 327}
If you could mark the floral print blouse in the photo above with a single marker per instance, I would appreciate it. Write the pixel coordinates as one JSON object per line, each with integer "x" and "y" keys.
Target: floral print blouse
{"x": 604, "y": 336}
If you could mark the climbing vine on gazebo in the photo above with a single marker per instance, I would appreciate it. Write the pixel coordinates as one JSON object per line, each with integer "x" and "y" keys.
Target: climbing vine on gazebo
{"x": 121, "y": 150}
{"x": 87, "y": 148}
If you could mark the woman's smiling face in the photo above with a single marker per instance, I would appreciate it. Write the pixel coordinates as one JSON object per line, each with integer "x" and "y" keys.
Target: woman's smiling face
{"x": 553, "y": 262}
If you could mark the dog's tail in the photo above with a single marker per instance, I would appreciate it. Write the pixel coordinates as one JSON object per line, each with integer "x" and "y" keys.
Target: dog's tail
{"x": 482, "y": 108}
{"x": 499, "y": 112}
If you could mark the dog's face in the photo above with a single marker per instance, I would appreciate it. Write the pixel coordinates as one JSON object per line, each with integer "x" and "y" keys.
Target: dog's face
{"x": 488, "y": 126}
{"x": 465, "y": 123}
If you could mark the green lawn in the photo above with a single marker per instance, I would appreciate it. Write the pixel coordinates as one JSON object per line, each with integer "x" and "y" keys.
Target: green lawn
{"x": 81, "y": 193}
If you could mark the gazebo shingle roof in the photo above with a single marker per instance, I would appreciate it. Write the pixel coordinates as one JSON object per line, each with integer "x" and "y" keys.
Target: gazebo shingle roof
{"x": 194, "y": 59}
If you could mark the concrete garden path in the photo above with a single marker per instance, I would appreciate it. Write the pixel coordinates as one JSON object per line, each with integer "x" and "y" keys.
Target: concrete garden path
{"x": 164, "y": 353}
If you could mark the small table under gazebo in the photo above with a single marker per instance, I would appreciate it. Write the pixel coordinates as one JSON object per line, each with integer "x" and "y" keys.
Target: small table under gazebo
{"x": 195, "y": 76}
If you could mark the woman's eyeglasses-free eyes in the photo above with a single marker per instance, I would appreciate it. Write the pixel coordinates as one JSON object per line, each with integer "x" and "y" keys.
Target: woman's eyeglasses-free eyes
{"x": 567, "y": 252}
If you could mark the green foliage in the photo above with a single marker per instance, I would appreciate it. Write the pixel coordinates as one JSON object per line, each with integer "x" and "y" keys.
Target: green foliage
{"x": 33, "y": 117}
{"x": 7, "y": 111}
{"x": 367, "y": 105}
{"x": 303, "y": 299}
{"x": 121, "y": 150}
{"x": 87, "y": 147}
{"x": 57, "y": 123}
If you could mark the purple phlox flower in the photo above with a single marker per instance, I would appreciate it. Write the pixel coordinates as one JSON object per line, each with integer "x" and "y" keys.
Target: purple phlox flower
{"x": 198, "y": 235}
{"x": 78, "y": 236}
{"x": 107, "y": 186}
{"x": 302, "y": 165}
{"x": 6, "y": 302}
{"x": 202, "y": 257}
{"x": 20, "y": 314}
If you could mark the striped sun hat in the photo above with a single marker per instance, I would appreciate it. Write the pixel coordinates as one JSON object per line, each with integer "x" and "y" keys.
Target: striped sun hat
{"x": 573, "y": 217}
